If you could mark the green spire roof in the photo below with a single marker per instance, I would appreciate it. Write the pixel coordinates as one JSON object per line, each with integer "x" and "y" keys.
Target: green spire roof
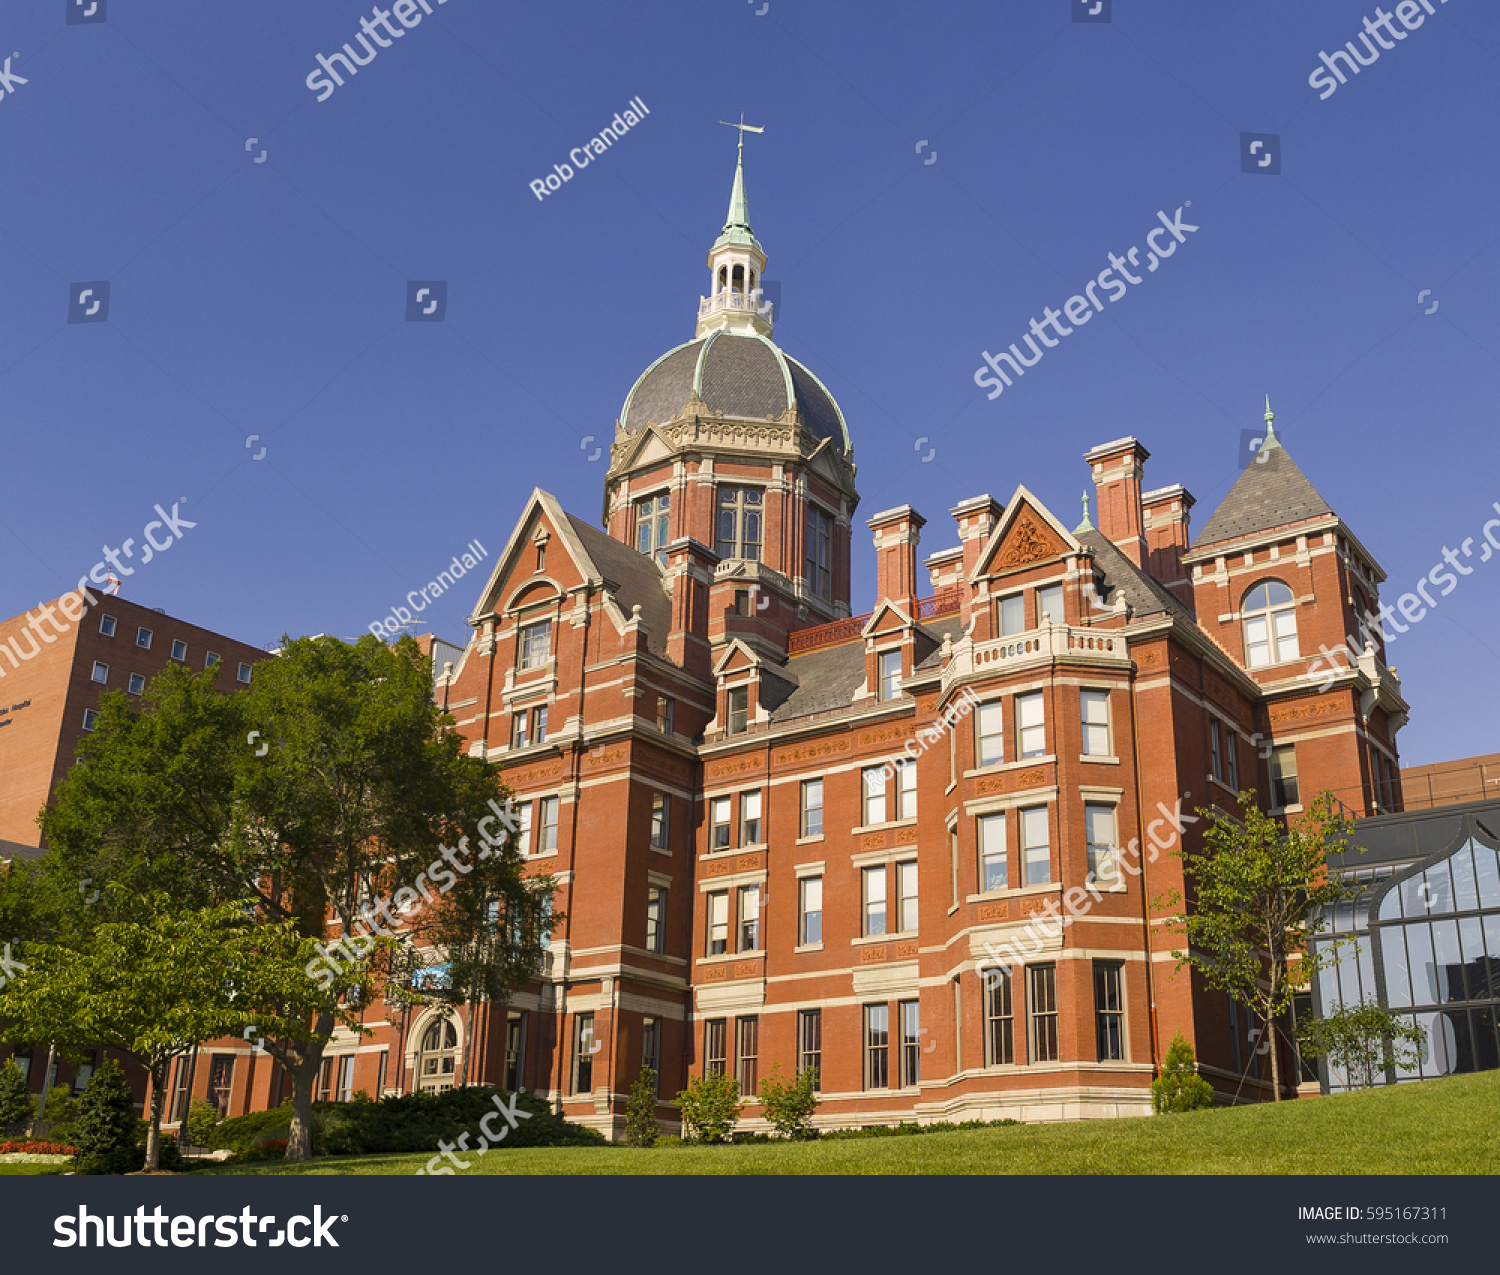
{"x": 737, "y": 225}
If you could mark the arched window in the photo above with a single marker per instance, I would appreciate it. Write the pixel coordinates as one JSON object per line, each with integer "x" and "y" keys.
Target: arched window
{"x": 1270, "y": 624}
{"x": 437, "y": 1059}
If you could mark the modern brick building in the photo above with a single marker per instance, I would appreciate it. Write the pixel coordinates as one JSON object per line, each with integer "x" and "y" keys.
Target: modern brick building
{"x": 710, "y": 752}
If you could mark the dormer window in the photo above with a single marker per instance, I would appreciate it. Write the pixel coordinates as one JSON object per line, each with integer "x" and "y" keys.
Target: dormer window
{"x": 739, "y": 710}
{"x": 741, "y": 514}
{"x": 890, "y": 674}
{"x": 1270, "y": 617}
{"x": 535, "y": 644}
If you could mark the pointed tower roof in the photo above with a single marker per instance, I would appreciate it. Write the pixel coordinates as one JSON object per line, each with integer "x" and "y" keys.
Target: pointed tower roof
{"x": 737, "y": 225}
{"x": 1272, "y": 492}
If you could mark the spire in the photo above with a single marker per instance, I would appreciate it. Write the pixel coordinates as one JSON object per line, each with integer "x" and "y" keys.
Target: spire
{"x": 1085, "y": 525}
{"x": 736, "y": 263}
{"x": 737, "y": 225}
{"x": 1270, "y": 419}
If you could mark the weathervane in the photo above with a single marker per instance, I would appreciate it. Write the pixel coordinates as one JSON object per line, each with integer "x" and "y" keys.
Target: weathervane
{"x": 744, "y": 128}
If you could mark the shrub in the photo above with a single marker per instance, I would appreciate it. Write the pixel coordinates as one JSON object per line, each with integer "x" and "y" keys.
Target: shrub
{"x": 789, "y": 1105}
{"x": 1180, "y": 1087}
{"x": 202, "y": 1120}
{"x": 710, "y": 1105}
{"x": 15, "y": 1100}
{"x": 26, "y": 1146}
{"x": 1360, "y": 1041}
{"x": 60, "y": 1111}
{"x": 105, "y": 1127}
{"x": 640, "y": 1113}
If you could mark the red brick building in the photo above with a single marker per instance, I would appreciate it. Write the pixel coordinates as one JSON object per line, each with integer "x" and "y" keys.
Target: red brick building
{"x": 710, "y": 753}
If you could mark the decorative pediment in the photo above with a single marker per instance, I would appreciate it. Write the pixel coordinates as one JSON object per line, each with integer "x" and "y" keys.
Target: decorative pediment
{"x": 1026, "y": 534}
{"x": 888, "y": 617}
{"x": 737, "y": 658}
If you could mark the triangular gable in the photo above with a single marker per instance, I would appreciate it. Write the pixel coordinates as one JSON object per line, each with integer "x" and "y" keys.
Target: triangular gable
{"x": 881, "y": 618}
{"x": 737, "y": 658}
{"x": 1026, "y": 533}
{"x": 542, "y": 509}
{"x": 645, "y": 447}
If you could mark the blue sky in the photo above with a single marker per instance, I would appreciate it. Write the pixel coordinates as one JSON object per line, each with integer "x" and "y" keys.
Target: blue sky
{"x": 268, "y": 298}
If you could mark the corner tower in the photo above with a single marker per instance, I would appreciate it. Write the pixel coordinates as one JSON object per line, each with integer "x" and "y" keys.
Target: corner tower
{"x": 728, "y": 442}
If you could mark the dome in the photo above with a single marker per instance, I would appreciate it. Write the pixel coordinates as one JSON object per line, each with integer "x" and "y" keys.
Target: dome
{"x": 741, "y": 374}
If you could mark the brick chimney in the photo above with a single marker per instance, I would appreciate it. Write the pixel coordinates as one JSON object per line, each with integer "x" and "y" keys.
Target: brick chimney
{"x": 977, "y": 518}
{"x": 1165, "y": 513}
{"x": 897, "y": 533}
{"x": 1118, "y": 467}
{"x": 690, "y": 577}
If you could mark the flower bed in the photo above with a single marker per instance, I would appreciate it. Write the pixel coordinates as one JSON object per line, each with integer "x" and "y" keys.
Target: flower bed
{"x": 26, "y": 1147}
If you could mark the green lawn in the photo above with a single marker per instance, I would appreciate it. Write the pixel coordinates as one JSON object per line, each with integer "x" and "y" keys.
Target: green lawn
{"x": 1438, "y": 1126}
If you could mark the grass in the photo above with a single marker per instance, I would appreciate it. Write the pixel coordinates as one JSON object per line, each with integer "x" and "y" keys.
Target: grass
{"x": 1449, "y": 1126}
{"x": 32, "y": 1170}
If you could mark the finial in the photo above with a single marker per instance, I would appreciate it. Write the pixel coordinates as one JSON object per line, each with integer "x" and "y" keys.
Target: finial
{"x": 1085, "y": 525}
{"x": 1270, "y": 419}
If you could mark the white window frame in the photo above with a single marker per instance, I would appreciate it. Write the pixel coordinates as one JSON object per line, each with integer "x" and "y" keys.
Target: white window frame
{"x": 751, "y": 820}
{"x": 989, "y": 734}
{"x": 528, "y": 658}
{"x": 1031, "y": 860}
{"x": 1094, "y": 731}
{"x": 101, "y": 677}
{"x": 547, "y": 828}
{"x": 1027, "y": 732}
{"x": 908, "y": 897}
{"x": 989, "y": 830}
{"x": 807, "y": 787}
{"x": 144, "y": 637}
{"x": 888, "y": 673}
{"x": 809, "y": 891}
{"x": 872, "y": 891}
{"x": 178, "y": 642}
{"x": 906, "y": 791}
{"x": 872, "y": 788}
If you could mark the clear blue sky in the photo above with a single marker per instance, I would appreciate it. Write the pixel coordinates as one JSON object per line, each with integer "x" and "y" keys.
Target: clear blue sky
{"x": 269, "y": 298}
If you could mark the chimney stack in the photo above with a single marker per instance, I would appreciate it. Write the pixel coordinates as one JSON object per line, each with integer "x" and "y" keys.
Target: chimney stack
{"x": 1166, "y": 515}
{"x": 897, "y": 533}
{"x": 1118, "y": 467}
{"x": 977, "y": 518}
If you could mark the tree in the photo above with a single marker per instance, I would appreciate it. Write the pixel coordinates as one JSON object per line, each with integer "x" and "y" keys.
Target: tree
{"x": 16, "y": 1110}
{"x": 710, "y": 1106}
{"x": 641, "y": 1129}
{"x": 789, "y": 1105}
{"x": 105, "y": 1129}
{"x": 202, "y": 1120}
{"x": 1363, "y": 1040}
{"x": 158, "y": 986}
{"x": 1180, "y": 1087}
{"x": 1259, "y": 894}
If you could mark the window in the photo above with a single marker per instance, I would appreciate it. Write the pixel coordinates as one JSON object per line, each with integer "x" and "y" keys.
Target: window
{"x": 810, "y": 927}
{"x": 719, "y": 824}
{"x": 101, "y": 673}
{"x": 1215, "y": 750}
{"x": 1232, "y": 755}
{"x": 874, "y": 899}
{"x": 515, "y": 1049}
{"x": 1036, "y": 846}
{"x": 179, "y": 650}
{"x": 742, "y": 603}
{"x": 437, "y": 1058}
{"x": 1096, "y": 723}
{"x": 909, "y": 1020}
{"x": 84, "y": 1072}
{"x": 1031, "y": 725}
{"x": 210, "y": 658}
{"x": 661, "y": 820}
{"x": 718, "y": 922}
{"x": 535, "y": 644}
{"x": 999, "y": 1019}
{"x": 346, "y": 1078}
{"x": 651, "y": 1049}
{"x": 739, "y": 710}
{"x": 989, "y": 734}
{"x": 221, "y": 1082}
{"x": 665, "y": 710}
{"x": 906, "y": 897}
{"x": 242, "y": 674}
{"x": 651, "y": 522}
{"x": 548, "y": 838}
{"x": 747, "y": 1053}
{"x": 877, "y": 1046}
{"x": 993, "y": 874}
{"x": 90, "y": 716}
{"x": 1109, "y": 1010}
{"x": 713, "y": 1047}
{"x": 584, "y": 1048}
{"x": 143, "y": 639}
{"x": 1049, "y": 604}
{"x": 1284, "y": 776}
{"x": 385, "y": 1058}
{"x": 1012, "y": 615}
{"x": 523, "y": 829}
{"x": 539, "y": 724}
{"x": 953, "y": 860}
{"x": 137, "y": 683}
{"x": 749, "y": 918}
{"x": 1041, "y": 987}
{"x": 810, "y": 1044}
{"x": 872, "y": 785}
{"x": 1270, "y": 624}
{"x": 812, "y": 807}
{"x": 740, "y": 512}
{"x": 107, "y": 625}
{"x": 819, "y": 554}
{"x": 1099, "y": 825}
{"x": 890, "y": 674}
{"x": 906, "y": 790}
{"x": 750, "y": 818}
{"x": 656, "y": 919}
{"x": 519, "y": 735}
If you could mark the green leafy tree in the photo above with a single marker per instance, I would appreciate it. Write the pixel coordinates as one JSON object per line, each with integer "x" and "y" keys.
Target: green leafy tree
{"x": 202, "y": 1120}
{"x": 1363, "y": 1040}
{"x": 710, "y": 1106}
{"x": 1259, "y": 893}
{"x": 105, "y": 1127}
{"x": 641, "y": 1129}
{"x": 789, "y": 1105}
{"x": 61, "y": 1109}
{"x": 1180, "y": 1087}
{"x": 16, "y": 1110}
